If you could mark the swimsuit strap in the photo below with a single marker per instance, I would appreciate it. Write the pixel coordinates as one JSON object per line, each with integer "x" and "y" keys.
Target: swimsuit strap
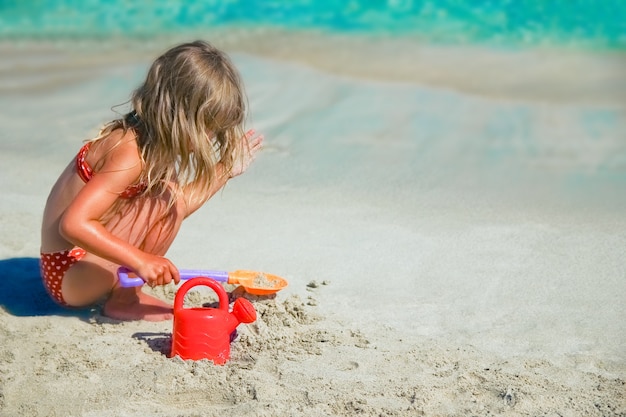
{"x": 84, "y": 170}
{"x": 86, "y": 173}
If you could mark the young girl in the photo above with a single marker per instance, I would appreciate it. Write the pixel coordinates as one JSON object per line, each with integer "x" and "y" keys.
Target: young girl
{"x": 122, "y": 199}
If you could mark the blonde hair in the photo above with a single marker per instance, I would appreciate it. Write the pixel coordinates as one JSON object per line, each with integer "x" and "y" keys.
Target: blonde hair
{"x": 188, "y": 115}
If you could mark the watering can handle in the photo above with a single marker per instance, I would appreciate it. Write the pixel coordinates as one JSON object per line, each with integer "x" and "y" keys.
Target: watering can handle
{"x": 209, "y": 282}
{"x": 128, "y": 281}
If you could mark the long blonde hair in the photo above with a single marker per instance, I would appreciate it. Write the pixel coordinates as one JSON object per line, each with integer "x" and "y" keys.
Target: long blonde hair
{"x": 188, "y": 115}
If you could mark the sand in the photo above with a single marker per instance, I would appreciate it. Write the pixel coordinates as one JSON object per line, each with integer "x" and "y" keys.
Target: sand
{"x": 452, "y": 249}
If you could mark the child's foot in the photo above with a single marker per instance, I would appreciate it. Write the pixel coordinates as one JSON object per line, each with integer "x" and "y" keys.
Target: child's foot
{"x": 133, "y": 304}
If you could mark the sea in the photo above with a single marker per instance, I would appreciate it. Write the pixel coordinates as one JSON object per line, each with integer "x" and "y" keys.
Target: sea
{"x": 588, "y": 24}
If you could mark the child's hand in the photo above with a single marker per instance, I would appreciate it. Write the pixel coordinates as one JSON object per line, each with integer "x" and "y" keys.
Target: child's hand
{"x": 157, "y": 270}
{"x": 251, "y": 145}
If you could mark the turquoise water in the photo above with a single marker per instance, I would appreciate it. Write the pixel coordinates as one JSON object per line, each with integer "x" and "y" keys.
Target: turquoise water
{"x": 596, "y": 24}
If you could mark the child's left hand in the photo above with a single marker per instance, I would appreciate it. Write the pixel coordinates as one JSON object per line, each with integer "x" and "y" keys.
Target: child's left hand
{"x": 252, "y": 144}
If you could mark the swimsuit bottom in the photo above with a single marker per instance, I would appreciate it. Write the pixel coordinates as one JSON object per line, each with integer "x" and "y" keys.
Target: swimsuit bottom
{"x": 53, "y": 267}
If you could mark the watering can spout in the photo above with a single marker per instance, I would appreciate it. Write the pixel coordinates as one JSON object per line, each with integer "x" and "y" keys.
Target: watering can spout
{"x": 244, "y": 311}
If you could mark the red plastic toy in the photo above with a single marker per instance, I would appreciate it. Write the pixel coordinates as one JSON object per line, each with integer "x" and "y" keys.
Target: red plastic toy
{"x": 205, "y": 333}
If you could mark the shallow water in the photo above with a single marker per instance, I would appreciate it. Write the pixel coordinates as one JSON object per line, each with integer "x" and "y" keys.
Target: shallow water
{"x": 567, "y": 51}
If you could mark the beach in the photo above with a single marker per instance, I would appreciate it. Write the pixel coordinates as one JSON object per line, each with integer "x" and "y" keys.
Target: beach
{"x": 450, "y": 221}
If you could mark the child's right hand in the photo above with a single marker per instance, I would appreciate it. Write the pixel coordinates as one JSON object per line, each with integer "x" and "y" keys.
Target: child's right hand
{"x": 157, "y": 270}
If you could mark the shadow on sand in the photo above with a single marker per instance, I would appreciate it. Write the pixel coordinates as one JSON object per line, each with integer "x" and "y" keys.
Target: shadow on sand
{"x": 23, "y": 293}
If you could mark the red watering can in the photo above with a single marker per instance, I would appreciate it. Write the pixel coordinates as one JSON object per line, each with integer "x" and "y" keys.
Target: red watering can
{"x": 205, "y": 333}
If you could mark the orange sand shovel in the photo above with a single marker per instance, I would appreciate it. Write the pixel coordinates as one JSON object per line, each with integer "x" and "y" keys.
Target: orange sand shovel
{"x": 256, "y": 283}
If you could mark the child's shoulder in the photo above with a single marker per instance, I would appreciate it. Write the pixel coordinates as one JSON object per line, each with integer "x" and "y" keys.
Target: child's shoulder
{"x": 118, "y": 148}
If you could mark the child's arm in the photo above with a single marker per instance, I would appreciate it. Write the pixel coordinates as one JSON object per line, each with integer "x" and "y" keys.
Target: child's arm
{"x": 81, "y": 224}
{"x": 252, "y": 144}
{"x": 194, "y": 199}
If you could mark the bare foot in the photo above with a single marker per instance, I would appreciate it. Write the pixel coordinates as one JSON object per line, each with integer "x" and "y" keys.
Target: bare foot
{"x": 134, "y": 304}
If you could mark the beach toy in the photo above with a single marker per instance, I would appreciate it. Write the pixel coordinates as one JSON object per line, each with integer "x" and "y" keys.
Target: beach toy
{"x": 205, "y": 333}
{"x": 256, "y": 283}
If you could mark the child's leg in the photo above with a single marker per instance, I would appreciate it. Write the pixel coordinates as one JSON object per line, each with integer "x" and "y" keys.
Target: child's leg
{"x": 140, "y": 222}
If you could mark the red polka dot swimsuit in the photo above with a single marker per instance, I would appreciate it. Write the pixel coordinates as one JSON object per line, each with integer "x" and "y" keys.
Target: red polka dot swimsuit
{"x": 86, "y": 172}
{"x": 53, "y": 268}
{"x": 54, "y": 265}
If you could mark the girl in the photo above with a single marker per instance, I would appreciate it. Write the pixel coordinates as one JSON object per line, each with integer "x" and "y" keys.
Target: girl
{"x": 122, "y": 200}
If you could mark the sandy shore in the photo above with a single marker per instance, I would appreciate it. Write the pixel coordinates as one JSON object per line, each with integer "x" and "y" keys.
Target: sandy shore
{"x": 450, "y": 252}
{"x": 289, "y": 362}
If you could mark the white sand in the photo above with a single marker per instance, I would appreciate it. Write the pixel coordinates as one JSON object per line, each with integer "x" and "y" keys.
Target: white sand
{"x": 448, "y": 252}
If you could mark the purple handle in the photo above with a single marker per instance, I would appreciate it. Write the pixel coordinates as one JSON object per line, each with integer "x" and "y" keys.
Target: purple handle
{"x": 126, "y": 281}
